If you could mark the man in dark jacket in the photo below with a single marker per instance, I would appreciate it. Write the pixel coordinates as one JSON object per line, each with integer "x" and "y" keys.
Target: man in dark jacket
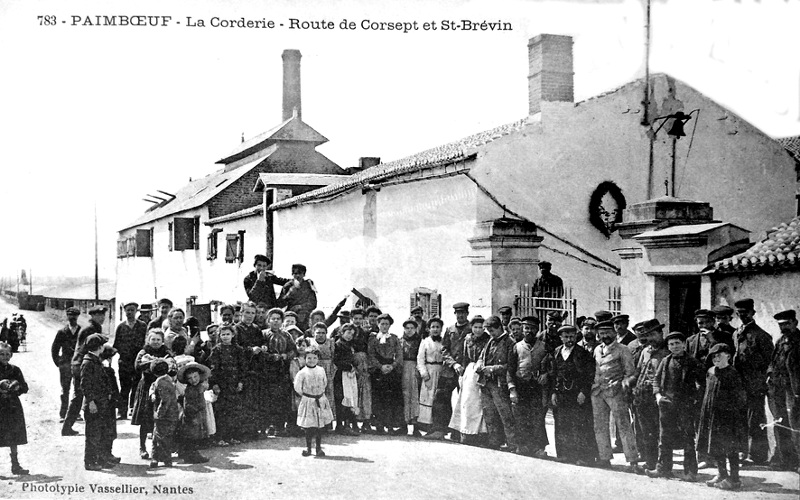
{"x": 783, "y": 381}
{"x": 453, "y": 364}
{"x": 62, "y": 351}
{"x": 493, "y": 367}
{"x": 98, "y": 317}
{"x": 259, "y": 283}
{"x": 299, "y": 296}
{"x": 753, "y": 354}
{"x": 644, "y": 400}
{"x": 700, "y": 343}
{"x": 527, "y": 377}
{"x": 128, "y": 341}
{"x": 98, "y": 396}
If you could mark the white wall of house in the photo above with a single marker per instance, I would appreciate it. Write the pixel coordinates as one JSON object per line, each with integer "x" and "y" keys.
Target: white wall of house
{"x": 178, "y": 275}
{"x": 771, "y": 294}
{"x": 415, "y": 235}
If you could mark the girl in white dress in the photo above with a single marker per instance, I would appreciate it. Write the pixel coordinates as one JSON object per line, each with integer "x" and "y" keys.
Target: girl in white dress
{"x": 314, "y": 411}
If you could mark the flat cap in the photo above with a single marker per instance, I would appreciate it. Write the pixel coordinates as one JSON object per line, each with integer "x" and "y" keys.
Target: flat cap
{"x": 555, "y": 315}
{"x": 515, "y": 319}
{"x": 603, "y": 315}
{"x": 261, "y": 258}
{"x": 344, "y": 314}
{"x": 589, "y": 322}
{"x": 567, "y": 329}
{"x": 788, "y": 315}
{"x": 719, "y": 347}
{"x": 605, "y": 324}
{"x": 638, "y": 326}
{"x": 621, "y": 317}
{"x": 74, "y": 311}
{"x": 504, "y": 310}
{"x": 744, "y": 304}
{"x": 134, "y": 304}
{"x": 460, "y": 306}
{"x": 95, "y": 341}
{"x": 98, "y": 310}
{"x": 530, "y": 320}
{"x": 416, "y": 309}
{"x": 652, "y": 325}
{"x": 544, "y": 263}
{"x": 675, "y": 335}
{"x": 300, "y": 268}
{"x": 703, "y": 313}
{"x": 722, "y": 310}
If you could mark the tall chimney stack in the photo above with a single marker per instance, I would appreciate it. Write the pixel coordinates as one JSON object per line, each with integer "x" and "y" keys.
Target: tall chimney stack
{"x": 550, "y": 66}
{"x": 291, "y": 83}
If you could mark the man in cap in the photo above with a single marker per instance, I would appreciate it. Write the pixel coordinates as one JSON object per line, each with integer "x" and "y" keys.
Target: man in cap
{"x": 548, "y": 284}
{"x": 527, "y": 378}
{"x": 505, "y": 313}
{"x": 299, "y": 295}
{"x": 753, "y": 354}
{"x": 708, "y": 335}
{"x": 678, "y": 387}
{"x": 571, "y": 372}
{"x": 492, "y": 367}
{"x": 588, "y": 335}
{"x": 783, "y": 380}
{"x": 95, "y": 326}
{"x": 128, "y": 341}
{"x": 723, "y": 316}
{"x": 515, "y": 328}
{"x": 260, "y": 282}
{"x": 344, "y": 318}
{"x": 98, "y": 390}
{"x": 164, "y": 307}
{"x": 614, "y": 373}
{"x": 621, "y": 322}
{"x": 550, "y": 333}
{"x": 422, "y": 327}
{"x": 453, "y": 358}
{"x": 145, "y": 312}
{"x": 62, "y": 350}
{"x": 644, "y": 400}
{"x": 603, "y": 316}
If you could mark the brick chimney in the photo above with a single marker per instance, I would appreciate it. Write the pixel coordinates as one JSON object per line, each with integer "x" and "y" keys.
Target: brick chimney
{"x": 291, "y": 84}
{"x": 550, "y": 71}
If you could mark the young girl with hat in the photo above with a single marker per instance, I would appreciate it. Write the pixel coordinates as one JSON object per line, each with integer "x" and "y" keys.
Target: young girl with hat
{"x": 12, "y": 384}
{"x": 194, "y": 428}
{"x": 142, "y": 407}
{"x": 314, "y": 411}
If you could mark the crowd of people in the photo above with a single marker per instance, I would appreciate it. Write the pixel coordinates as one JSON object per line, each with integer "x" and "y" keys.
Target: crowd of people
{"x": 280, "y": 369}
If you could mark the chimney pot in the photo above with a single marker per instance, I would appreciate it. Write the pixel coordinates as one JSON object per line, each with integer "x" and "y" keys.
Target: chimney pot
{"x": 291, "y": 84}
{"x": 551, "y": 75}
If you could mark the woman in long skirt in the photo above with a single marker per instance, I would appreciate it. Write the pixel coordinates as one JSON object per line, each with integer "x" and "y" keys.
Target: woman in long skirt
{"x": 386, "y": 366}
{"x": 429, "y": 365}
{"x": 410, "y": 344}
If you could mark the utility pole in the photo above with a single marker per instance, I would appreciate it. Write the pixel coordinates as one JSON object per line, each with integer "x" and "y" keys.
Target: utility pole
{"x": 646, "y": 102}
{"x": 96, "y": 271}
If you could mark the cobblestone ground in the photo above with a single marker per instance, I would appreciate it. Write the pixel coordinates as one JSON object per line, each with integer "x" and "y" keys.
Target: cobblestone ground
{"x": 355, "y": 467}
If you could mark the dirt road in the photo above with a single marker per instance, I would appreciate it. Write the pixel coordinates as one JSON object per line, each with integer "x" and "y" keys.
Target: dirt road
{"x": 356, "y": 467}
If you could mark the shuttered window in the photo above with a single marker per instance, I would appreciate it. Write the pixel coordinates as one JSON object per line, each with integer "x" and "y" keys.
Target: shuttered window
{"x": 231, "y": 244}
{"x": 184, "y": 228}
{"x": 429, "y": 300}
{"x": 122, "y": 248}
{"x": 212, "y": 244}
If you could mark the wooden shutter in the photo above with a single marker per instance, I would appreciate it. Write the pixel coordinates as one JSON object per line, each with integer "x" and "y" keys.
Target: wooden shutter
{"x": 196, "y": 235}
{"x": 121, "y": 249}
{"x": 143, "y": 248}
{"x": 131, "y": 246}
{"x": 171, "y": 231}
{"x": 412, "y": 301}
{"x": 231, "y": 241}
{"x": 436, "y": 304}
{"x": 240, "y": 250}
{"x": 184, "y": 233}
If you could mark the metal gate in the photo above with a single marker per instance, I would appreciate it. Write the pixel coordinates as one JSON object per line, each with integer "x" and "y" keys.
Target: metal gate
{"x": 527, "y": 304}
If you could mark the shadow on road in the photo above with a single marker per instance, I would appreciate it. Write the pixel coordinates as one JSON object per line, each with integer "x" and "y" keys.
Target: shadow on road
{"x": 760, "y": 484}
{"x": 342, "y": 458}
{"x": 32, "y": 478}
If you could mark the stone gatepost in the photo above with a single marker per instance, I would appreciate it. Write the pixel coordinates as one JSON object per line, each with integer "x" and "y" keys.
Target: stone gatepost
{"x": 504, "y": 256}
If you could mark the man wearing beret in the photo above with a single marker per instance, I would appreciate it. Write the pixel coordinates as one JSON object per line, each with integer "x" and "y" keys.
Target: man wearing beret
{"x": 644, "y": 399}
{"x": 753, "y": 354}
{"x": 453, "y": 359}
{"x": 299, "y": 295}
{"x": 548, "y": 284}
{"x": 783, "y": 381}
{"x": 570, "y": 374}
{"x": 550, "y": 335}
{"x": 495, "y": 399}
{"x": 614, "y": 374}
{"x": 621, "y": 322}
{"x": 259, "y": 283}
{"x": 62, "y": 350}
{"x": 128, "y": 341}
{"x": 95, "y": 326}
{"x": 527, "y": 380}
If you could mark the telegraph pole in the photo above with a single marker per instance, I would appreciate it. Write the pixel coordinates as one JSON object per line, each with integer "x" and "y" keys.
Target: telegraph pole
{"x": 96, "y": 270}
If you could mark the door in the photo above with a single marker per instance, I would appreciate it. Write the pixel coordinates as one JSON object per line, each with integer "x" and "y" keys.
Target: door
{"x": 684, "y": 300}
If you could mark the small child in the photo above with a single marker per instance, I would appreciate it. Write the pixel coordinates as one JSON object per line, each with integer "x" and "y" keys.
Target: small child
{"x": 164, "y": 396}
{"x": 98, "y": 404}
{"x": 142, "y": 406}
{"x": 228, "y": 363}
{"x": 326, "y": 348}
{"x": 295, "y": 365}
{"x": 314, "y": 411}
{"x": 722, "y": 431}
{"x": 110, "y": 429}
{"x": 290, "y": 319}
{"x": 194, "y": 428}
{"x": 12, "y": 430}
{"x": 677, "y": 386}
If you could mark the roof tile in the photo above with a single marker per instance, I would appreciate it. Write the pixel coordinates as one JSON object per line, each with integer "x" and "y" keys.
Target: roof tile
{"x": 778, "y": 250}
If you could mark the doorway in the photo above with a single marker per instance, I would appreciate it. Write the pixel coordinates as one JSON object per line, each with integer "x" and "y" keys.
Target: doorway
{"x": 684, "y": 300}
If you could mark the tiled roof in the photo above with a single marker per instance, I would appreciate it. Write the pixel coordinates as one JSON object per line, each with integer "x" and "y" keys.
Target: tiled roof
{"x": 292, "y": 129}
{"x": 196, "y": 193}
{"x": 446, "y": 153}
{"x": 241, "y": 214}
{"x": 780, "y": 249}
{"x": 792, "y": 146}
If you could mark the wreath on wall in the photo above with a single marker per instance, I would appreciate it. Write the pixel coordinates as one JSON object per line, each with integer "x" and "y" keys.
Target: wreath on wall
{"x": 605, "y": 207}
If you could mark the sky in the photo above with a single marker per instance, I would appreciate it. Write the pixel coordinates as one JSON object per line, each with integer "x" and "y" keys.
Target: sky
{"x": 96, "y": 117}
